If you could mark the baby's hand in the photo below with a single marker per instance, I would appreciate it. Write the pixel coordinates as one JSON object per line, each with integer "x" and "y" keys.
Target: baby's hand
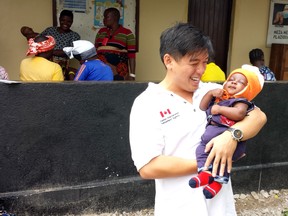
{"x": 217, "y": 92}
{"x": 215, "y": 109}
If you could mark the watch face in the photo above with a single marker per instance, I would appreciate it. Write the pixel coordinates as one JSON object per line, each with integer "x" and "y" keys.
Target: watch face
{"x": 238, "y": 134}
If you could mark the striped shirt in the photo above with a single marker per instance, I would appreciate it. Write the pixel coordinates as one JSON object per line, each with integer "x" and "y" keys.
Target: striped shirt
{"x": 122, "y": 38}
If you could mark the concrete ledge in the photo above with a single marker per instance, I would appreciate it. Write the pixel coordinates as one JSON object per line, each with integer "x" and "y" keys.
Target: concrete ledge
{"x": 126, "y": 194}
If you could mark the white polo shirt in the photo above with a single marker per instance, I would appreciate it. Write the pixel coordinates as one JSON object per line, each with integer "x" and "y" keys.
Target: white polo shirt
{"x": 162, "y": 123}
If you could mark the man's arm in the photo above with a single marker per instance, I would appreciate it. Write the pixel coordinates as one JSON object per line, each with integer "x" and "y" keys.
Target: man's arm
{"x": 224, "y": 145}
{"x": 168, "y": 166}
{"x": 81, "y": 73}
{"x": 132, "y": 65}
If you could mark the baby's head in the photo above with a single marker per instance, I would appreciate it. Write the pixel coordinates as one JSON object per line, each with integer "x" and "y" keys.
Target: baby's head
{"x": 249, "y": 82}
{"x": 26, "y": 30}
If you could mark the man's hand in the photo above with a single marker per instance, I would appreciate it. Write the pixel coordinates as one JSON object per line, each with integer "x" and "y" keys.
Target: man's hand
{"x": 222, "y": 152}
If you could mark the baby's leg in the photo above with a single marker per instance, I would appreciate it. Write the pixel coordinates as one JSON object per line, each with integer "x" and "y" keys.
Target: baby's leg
{"x": 203, "y": 178}
{"x": 211, "y": 190}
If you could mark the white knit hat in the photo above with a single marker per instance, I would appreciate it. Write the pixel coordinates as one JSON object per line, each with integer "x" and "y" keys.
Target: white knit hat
{"x": 81, "y": 50}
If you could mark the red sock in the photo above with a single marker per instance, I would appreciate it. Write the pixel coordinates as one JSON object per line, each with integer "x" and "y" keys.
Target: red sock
{"x": 212, "y": 189}
{"x": 203, "y": 178}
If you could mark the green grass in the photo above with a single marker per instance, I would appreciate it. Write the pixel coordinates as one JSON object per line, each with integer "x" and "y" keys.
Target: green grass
{"x": 285, "y": 212}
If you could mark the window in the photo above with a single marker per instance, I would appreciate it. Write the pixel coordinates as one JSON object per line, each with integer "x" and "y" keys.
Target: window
{"x": 75, "y": 5}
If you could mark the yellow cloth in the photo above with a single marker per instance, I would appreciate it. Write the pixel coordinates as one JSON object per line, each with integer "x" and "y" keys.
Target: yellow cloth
{"x": 40, "y": 69}
{"x": 213, "y": 73}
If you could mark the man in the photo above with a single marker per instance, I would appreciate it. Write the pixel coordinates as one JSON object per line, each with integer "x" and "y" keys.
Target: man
{"x": 166, "y": 126}
{"x": 39, "y": 67}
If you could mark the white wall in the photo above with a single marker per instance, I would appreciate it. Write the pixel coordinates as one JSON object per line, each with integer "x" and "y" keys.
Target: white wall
{"x": 249, "y": 30}
{"x": 155, "y": 16}
{"x": 84, "y": 22}
{"x": 13, "y": 15}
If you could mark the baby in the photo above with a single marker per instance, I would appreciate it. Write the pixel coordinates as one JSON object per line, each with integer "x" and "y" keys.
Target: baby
{"x": 224, "y": 107}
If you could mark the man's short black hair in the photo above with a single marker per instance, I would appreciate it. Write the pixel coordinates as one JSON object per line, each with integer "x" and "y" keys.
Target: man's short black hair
{"x": 182, "y": 39}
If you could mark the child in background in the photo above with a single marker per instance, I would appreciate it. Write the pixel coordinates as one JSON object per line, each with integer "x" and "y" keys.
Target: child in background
{"x": 256, "y": 57}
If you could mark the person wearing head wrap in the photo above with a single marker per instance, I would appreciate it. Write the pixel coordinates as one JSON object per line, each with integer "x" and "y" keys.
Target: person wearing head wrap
{"x": 63, "y": 36}
{"x": 224, "y": 107}
{"x": 91, "y": 68}
{"x": 39, "y": 67}
{"x": 38, "y": 46}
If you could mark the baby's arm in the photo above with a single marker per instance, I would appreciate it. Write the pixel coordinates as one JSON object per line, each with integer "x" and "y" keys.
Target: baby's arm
{"x": 235, "y": 113}
{"x": 208, "y": 97}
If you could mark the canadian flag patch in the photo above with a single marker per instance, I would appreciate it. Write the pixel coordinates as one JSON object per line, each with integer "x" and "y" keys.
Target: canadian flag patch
{"x": 163, "y": 113}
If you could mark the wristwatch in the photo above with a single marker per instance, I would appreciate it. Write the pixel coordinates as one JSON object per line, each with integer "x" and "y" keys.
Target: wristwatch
{"x": 236, "y": 134}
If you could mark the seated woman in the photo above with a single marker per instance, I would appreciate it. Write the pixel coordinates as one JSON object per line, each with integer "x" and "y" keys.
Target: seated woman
{"x": 39, "y": 67}
{"x": 91, "y": 67}
{"x": 116, "y": 46}
{"x": 63, "y": 36}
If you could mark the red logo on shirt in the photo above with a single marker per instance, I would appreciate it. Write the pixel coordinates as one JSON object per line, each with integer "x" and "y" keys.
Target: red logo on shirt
{"x": 163, "y": 113}
{"x": 226, "y": 121}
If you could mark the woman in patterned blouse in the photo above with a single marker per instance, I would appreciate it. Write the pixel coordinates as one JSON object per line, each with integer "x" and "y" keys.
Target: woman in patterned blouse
{"x": 64, "y": 37}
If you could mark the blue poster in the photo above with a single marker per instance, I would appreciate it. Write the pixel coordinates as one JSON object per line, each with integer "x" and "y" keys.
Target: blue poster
{"x": 101, "y": 5}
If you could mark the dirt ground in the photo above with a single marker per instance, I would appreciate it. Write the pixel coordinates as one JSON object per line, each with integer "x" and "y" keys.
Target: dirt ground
{"x": 272, "y": 203}
{"x": 264, "y": 203}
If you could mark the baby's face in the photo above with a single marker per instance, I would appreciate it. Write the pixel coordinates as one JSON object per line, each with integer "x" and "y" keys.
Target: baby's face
{"x": 236, "y": 83}
{"x": 27, "y": 30}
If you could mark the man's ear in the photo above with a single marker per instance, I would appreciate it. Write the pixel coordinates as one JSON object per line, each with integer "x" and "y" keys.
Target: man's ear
{"x": 168, "y": 61}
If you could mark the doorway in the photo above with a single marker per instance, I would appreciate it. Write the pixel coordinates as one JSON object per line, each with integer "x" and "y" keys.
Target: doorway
{"x": 213, "y": 17}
